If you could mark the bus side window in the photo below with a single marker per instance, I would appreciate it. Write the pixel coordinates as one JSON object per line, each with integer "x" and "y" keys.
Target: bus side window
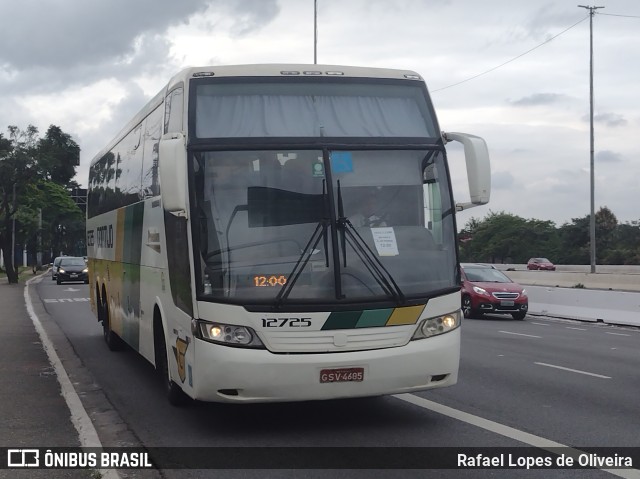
{"x": 173, "y": 111}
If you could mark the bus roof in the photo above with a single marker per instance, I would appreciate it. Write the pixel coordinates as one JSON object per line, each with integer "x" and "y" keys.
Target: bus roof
{"x": 291, "y": 69}
{"x": 259, "y": 70}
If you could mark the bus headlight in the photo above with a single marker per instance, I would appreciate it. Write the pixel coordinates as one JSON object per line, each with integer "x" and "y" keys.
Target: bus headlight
{"x": 229, "y": 334}
{"x": 439, "y": 325}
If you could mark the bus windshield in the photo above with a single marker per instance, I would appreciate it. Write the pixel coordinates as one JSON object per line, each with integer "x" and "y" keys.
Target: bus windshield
{"x": 289, "y": 226}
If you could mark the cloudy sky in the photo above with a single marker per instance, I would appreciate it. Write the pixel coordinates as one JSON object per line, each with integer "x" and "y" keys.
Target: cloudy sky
{"x": 515, "y": 72}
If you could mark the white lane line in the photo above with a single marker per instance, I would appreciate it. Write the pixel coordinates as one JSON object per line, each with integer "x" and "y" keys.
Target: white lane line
{"x": 573, "y": 370}
{"x": 86, "y": 431}
{"x": 540, "y": 324}
{"x": 577, "y": 329}
{"x": 521, "y": 334}
{"x": 617, "y": 334}
{"x": 506, "y": 431}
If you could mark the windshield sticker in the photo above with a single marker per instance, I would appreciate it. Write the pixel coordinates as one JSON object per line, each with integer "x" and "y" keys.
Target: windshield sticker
{"x": 341, "y": 162}
{"x": 317, "y": 169}
{"x": 385, "y": 241}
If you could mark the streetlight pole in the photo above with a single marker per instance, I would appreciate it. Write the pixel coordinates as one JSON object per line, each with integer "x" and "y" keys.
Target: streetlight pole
{"x": 315, "y": 32}
{"x": 592, "y": 217}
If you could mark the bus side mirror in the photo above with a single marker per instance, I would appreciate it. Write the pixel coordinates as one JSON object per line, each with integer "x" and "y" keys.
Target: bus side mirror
{"x": 172, "y": 160}
{"x": 476, "y": 156}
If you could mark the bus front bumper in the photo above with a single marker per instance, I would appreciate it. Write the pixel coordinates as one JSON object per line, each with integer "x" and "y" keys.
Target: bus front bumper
{"x": 225, "y": 374}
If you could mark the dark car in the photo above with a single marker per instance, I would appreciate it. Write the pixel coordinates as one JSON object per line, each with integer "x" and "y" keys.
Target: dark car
{"x": 72, "y": 268}
{"x": 488, "y": 290}
{"x": 541, "y": 263}
{"x": 54, "y": 267}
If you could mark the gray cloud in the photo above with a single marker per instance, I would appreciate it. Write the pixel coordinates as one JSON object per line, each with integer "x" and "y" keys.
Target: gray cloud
{"x": 608, "y": 156}
{"x": 76, "y": 32}
{"x": 502, "y": 180}
{"x": 609, "y": 119}
{"x": 39, "y": 58}
{"x": 147, "y": 56}
{"x": 67, "y": 34}
{"x": 550, "y": 19}
{"x": 250, "y": 15}
{"x": 539, "y": 99}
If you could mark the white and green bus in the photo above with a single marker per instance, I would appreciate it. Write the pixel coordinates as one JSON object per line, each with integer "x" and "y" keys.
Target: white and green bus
{"x": 283, "y": 233}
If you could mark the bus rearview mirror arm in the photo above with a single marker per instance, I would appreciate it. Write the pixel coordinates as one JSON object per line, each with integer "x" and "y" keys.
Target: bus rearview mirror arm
{"x": 478, "y": 164}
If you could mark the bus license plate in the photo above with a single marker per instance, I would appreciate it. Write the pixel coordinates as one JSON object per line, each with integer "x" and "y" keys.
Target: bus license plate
{"x": 507, "y": 303}
{"x": 341, "y": 375}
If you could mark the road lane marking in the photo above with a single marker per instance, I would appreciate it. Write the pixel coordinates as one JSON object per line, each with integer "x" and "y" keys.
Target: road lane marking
{"x": 573, "y": 370}
{"x": 577, "y": 329}
{"x": 79, "y": 417}
{"x": 521, "y": 334}
{"x": 506, "y": 431}
{"x": 540, "y": 324}
{"x": 65, "y": 300}
{"x": 617, "y": 334}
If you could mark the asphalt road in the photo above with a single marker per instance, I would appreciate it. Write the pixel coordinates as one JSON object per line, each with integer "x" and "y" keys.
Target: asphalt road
{"x": 521, "y": 383}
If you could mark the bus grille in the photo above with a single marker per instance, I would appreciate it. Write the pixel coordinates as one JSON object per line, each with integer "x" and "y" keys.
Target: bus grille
{"x": 339, "y": 340}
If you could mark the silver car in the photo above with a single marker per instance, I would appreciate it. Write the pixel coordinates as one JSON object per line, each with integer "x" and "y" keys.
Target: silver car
{"x": 54, "y": 267}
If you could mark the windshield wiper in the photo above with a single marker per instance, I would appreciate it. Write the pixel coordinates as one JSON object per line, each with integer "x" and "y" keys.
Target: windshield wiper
{"x": 375, "y": 267}
{"x": 319, "y": 233}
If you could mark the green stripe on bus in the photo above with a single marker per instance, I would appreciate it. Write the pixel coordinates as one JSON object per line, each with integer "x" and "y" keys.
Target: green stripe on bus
{"x": 134, "y": 216}
{"x": 374, "y": 318}
{"x": 342, "y": 320}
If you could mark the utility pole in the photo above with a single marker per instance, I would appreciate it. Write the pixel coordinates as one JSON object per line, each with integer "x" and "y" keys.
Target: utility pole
{"x": 315, "y": 32}
{"x": 39, "y": 251}
{"x": 592, "y": 217}
{"x": 13, "y": 231}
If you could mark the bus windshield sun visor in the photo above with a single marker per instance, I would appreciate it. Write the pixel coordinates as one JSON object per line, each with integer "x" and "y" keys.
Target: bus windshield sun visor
{"x": 275, "y": 207}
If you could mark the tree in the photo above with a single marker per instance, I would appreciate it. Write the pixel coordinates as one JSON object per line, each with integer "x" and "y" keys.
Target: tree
{"x": 18, "y": 168}
{"x": 58, "y": 156}
{"x": 503, "y": 237}
{"x": 575, "y": 239}
{"x": 574, "y": 242}
{"x": 606, "y": 226}
{"x": 33, "y": 176}
{"x": 62, "y": 220}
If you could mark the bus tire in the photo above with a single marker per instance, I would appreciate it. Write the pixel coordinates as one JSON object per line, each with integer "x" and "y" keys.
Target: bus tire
{"x": 114, "y": 342}
{"x": 175, "y": 395}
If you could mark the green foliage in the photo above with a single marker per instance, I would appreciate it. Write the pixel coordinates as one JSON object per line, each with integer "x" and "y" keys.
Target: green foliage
{"x": 506, "y": 238}
{"x": 34, "y": 174}
{"x": 58, "y": 156}
{"x": 63, "y": 223}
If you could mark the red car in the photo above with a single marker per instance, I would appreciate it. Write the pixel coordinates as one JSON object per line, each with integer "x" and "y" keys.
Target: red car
{"x": 541, "y": 263}
{"x": 488, "y": 290}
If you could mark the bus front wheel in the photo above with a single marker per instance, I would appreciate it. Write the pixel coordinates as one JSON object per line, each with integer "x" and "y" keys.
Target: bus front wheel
{"x": 175, "y": 394}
